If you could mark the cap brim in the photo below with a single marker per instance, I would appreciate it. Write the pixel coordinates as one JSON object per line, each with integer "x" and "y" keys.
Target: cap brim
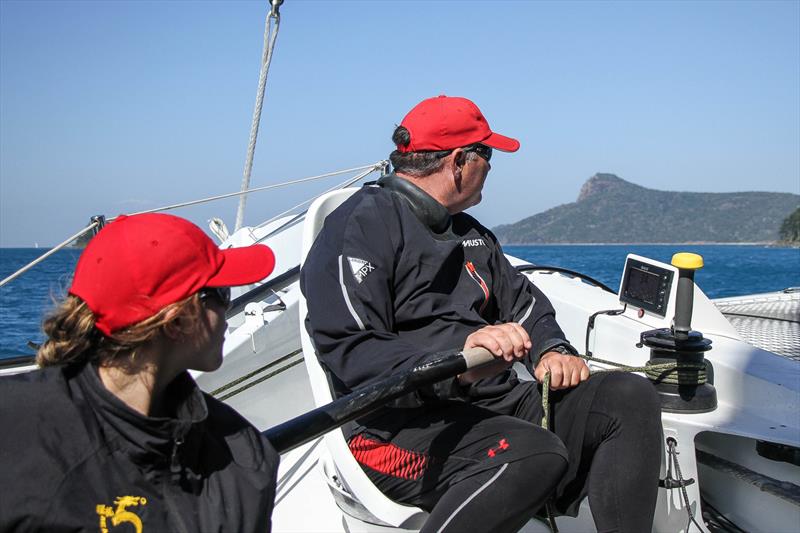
{"x": 501, "y": 142}
{"x": 243, "y": 266}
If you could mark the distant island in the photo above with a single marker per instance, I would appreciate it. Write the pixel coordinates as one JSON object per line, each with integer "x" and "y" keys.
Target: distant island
{"x": 612, "y": 210}
{"x": 790, "y": 229}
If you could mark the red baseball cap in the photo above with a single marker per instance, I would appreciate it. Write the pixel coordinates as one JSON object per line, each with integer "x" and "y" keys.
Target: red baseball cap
{"x": 448, "y": 122}
{"x": 139, "y": 264}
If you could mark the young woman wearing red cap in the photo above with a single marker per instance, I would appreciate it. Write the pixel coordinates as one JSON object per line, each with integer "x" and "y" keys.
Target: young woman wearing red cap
{"x": 113, "y": 429}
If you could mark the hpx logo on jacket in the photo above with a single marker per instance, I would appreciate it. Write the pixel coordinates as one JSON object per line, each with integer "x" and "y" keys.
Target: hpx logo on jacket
{"x": 360, "y": 268}
{"x": 470, "y": 243}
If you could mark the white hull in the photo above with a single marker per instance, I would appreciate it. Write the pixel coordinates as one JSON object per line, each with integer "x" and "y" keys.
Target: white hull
{"x": 264, "y": 378}
{"x": 758, "y": 393}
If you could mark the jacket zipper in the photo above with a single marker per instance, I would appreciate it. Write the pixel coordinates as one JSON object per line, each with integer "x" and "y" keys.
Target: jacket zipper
{"x": 175, "y": 469}
{"x": 473, "y": 273}
{"x": 174, "y": 463}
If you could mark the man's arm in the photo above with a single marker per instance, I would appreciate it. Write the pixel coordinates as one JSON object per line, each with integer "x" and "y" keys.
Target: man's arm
{"x": 520, "y": 301}
{"x": 348, "y": 282}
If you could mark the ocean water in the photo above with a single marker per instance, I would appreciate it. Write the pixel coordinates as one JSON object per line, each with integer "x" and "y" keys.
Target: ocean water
{"x": 730, "y": 270}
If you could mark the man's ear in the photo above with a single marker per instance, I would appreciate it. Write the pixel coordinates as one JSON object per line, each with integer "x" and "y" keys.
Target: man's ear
{"x": 458, "y": 159}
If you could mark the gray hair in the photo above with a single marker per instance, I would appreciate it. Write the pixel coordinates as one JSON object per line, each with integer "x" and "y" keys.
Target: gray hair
{"x": 417, "y": 164}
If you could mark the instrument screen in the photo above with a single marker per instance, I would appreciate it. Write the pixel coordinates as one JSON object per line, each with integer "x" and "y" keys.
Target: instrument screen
{"x": 646, "y": 285}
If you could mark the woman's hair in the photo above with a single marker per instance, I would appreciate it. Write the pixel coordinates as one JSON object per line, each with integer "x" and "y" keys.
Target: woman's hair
{"x": 73, "y": 338}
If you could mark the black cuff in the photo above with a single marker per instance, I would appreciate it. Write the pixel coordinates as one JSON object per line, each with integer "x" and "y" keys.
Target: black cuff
{"x": 557, "y": 345}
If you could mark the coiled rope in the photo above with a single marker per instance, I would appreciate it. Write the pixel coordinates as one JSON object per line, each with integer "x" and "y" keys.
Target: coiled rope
{"x": 659, "y": 370}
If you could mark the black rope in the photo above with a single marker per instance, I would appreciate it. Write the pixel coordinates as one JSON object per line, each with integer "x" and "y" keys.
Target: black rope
{"x": 672, "y": 443}
{"x": 590, "y": 323}
{"x": 249, "y": 375}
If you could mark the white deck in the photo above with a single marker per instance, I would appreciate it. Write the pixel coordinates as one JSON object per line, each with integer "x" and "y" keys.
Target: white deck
{"x": 769, "y": 321}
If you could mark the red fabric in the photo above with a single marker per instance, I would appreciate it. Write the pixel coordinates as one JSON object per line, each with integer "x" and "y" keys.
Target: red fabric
{"x": 448, "y": 122}
{"x": 387, "y": 458}
{"x": 137, "y": 265}
{"x": 479, "y": 280}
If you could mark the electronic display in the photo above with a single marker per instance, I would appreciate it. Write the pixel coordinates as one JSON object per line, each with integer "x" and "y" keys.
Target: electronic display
{"x": 643, "y": 285}
{"x": 646, "y": 285}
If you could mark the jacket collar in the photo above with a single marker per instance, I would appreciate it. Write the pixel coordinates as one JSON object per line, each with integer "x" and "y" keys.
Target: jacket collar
{"x": 424, "y": 206}
{"x": 145, "y": 438}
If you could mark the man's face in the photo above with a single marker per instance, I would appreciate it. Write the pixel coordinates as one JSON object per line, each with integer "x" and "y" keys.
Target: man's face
{"x": 473, "y": 176}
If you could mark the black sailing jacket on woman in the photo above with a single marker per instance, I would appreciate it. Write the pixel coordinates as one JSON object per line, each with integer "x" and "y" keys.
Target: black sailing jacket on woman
{"x": 73, "y": 457}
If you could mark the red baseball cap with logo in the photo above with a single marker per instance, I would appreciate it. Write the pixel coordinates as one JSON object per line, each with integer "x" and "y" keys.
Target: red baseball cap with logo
{"x": 139, "y": 264}
{"x": 448, "y": 122}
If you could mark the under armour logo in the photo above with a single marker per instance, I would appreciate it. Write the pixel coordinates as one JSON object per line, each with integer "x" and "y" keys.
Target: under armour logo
{"x": 501, "y": 446}
{"x": 360, "y": 268}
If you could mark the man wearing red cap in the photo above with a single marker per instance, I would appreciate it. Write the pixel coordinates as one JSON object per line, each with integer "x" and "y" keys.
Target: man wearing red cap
{"x": 398, "y": 273}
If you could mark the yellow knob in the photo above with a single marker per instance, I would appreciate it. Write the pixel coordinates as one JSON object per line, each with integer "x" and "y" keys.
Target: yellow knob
{"x": 688, "y": 261}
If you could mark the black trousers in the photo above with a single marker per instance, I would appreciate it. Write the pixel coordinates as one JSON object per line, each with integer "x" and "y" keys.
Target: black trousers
{"x": 489, "y": 466}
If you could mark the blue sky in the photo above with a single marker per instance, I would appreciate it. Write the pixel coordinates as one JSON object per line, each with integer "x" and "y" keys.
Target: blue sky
{"x": 112, "y": 107}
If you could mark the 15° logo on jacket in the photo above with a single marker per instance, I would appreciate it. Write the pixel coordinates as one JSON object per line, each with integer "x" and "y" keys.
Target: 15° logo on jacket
{"x": 121, "y": 514}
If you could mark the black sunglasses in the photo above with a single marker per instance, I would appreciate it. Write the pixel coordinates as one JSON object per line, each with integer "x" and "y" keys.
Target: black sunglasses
{"x": 220, "y": 294}
{"x": 481, "y": 149}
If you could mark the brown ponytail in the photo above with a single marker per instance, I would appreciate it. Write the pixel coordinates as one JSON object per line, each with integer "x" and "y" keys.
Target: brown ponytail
{"x": 73, "y": 338}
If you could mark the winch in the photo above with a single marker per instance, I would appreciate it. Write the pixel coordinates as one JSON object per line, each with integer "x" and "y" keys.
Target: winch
{"x": 684, "y": 388}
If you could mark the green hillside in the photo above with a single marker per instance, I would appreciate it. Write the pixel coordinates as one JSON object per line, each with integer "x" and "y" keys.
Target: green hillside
{"x": 790, "y": 229}
{"x": 610, "y": 209}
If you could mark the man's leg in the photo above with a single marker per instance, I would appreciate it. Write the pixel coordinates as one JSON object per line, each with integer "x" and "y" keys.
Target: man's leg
{"x": 467, "y": 466}
{"x": 624, "y": 429}
{"x": 611, "y": 426}
{"x": 498, "y": 500}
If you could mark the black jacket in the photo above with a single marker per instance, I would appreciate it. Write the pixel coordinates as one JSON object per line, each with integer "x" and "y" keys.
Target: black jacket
{"x": 73, "y": 457}
{"x": 393, "y": 278}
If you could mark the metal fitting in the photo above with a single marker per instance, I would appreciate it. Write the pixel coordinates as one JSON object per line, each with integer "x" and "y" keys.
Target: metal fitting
{"x": 276, "y": 4}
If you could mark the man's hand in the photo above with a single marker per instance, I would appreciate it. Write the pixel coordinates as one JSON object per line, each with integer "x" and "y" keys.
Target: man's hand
{"x": 565, "y": 370}
{"x": 507, "y": 342}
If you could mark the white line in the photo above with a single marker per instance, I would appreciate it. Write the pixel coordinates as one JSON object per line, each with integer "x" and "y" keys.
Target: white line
{"x": 346, "y": 297}
{"x": 497, "y": 475}
{"x": 528, "y": 312}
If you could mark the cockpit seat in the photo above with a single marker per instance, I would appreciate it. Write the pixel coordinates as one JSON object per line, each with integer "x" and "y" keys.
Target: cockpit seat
{"x": 352, "y": 489}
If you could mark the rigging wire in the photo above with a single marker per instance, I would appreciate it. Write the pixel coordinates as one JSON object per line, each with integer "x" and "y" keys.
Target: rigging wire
{"x": 47, "y": 254}
{"x": 378, "y": 166}
{"x": 96, "y": 224}
{"x": 271, "y": 28}
{"x": 373, "y": 167}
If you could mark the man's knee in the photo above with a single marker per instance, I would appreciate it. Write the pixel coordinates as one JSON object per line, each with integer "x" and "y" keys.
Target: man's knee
{"x": 547, "y": 442}
{"x": 622, "y": 392}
